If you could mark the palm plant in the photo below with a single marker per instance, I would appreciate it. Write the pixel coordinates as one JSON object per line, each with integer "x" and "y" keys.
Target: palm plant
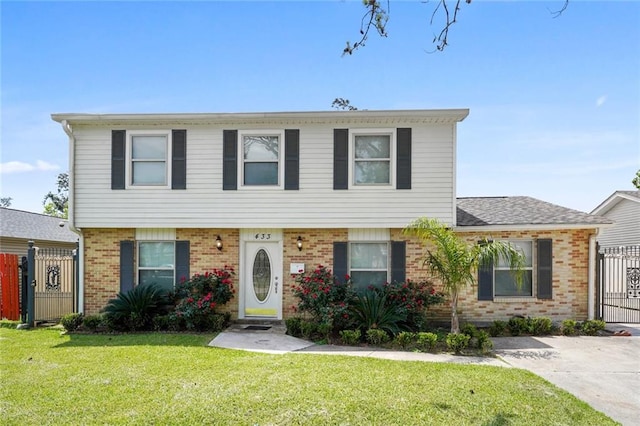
{"x": 371, "y": 311}
{"x": 135, "y": 309}
{"x": 454, "y": 261}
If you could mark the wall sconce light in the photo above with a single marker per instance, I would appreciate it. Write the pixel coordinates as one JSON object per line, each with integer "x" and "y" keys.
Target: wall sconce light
{"x": 299, "y": 243}
{"x": 219, "y": 243}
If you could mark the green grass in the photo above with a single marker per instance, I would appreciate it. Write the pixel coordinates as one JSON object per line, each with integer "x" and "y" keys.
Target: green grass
{"x": 52, "y": 378}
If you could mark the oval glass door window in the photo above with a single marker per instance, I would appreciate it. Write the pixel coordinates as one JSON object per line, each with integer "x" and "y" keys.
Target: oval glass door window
{"x": 261, "y": 275}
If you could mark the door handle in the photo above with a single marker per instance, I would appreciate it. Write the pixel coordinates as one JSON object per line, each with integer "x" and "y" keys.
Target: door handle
{"x": 276, "y": 285}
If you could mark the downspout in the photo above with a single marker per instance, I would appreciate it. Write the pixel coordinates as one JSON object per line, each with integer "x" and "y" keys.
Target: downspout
{"x": 71, "y": 213}
{"x": 591, "y": 304}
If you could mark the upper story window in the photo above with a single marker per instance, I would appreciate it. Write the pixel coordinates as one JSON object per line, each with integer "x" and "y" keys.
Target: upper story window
{"x": 149, "y": 154}
{"x": 505, "y": 283}
{"x": 372, "y": 160}
{"x": 261, "y": 155}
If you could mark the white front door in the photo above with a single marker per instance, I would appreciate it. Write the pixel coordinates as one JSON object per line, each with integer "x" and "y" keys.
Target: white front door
{"x": 263, "y": 279}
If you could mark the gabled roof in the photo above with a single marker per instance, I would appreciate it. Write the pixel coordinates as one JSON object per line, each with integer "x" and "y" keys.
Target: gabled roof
{"x": 34, "y": 226}
{"x": 521, "y": 212}
{"x": 615, "y": 198}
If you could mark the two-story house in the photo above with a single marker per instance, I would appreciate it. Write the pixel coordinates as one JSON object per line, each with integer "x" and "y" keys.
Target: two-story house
{"x": 157, "y": 197}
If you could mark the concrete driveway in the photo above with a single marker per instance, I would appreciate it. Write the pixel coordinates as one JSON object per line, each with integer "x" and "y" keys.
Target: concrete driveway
{"x": 602, "y": 371}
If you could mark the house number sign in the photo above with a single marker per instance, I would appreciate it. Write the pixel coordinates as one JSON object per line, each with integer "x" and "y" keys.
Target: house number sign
{"x": 262, "y": 237}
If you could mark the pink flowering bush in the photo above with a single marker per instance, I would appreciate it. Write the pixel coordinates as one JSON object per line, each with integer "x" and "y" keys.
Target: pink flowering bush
{"x": 412, "y": 299}
{"x": 324, "y": 297}
{"x": 198, "y": 298}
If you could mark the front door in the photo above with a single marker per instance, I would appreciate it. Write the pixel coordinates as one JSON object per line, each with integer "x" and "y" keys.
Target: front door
{"x": 263, "y": 279}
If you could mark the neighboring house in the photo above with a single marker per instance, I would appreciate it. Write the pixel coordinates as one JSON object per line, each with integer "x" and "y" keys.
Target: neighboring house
{"x": 622, "y": 207}
{"x": 158, "y": 197}
{"x": 18, "y": 227}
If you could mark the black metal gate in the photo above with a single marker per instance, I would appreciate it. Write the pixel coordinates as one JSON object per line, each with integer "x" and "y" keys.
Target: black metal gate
{"x": 51, "y": 284}
{"x": 618, "y": 274}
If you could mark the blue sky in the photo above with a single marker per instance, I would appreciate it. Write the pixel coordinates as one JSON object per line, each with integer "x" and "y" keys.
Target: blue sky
{"x": 554, "y": 103}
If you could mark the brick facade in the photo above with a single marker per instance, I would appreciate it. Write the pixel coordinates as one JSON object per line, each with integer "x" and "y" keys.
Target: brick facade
{"x": 570, "y": 268}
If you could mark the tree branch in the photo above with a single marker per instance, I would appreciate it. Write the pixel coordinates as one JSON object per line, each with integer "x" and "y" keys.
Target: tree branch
{"x": 378, "y": 18}
{"x": 557, "y": 13}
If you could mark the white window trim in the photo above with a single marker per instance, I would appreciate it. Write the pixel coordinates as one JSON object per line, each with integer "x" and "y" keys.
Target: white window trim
{"x": 519, "y": 298}
{"x": 129, "y": 165}
{"x": 392, "y": 157}
{"x": 259, "y": 132}
{"x": 138, "y": 268}
{"x": 349, "y": 269}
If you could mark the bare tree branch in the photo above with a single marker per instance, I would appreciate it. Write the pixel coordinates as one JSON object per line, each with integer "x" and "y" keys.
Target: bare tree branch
{"x": 557, "y": 13}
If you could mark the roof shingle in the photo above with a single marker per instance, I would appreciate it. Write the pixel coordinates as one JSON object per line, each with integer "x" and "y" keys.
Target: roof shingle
{"x": 518, "y": 210}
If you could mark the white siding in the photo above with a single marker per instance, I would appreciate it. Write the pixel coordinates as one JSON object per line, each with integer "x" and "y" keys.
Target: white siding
{"x": 366, "y": 234}
{"x": 155, "y": 234}
{"x": 316, "y": 205}
{"x": 626, "y": 230}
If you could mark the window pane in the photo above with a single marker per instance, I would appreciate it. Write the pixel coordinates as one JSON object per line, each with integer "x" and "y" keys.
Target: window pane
{"x": 260, "y": 173}
{"x": 156, "y": 254}
{"x": 369, "y": 256}
{"x": 372, "y": 146}
{"x": 149, "y": 173}
{"x": 363, "y": 279}
{"x": 149, "y": 148}
{"x": 371, "y": 172}
{"x": 525, "y": 247}
{"x": 261, "y": 148}
{"x": 161, "y": 278}
{"x": 505, "y": 284}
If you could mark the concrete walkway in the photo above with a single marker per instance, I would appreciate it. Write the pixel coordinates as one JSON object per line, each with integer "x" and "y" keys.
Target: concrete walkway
{"x": 602, "y": 371}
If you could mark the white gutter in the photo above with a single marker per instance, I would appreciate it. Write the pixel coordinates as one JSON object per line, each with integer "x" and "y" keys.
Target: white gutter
{"x": 591, "y": 298}
{"x": 71, "y": 212}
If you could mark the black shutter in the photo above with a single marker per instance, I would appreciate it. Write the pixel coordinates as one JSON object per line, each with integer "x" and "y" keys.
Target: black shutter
{"x": 544, "y": 271}
{"x": 230, "y": 159}
{"x": 118, "y": 158}
{"x": 340, "y": 261}
{"x": 340, "y": 158}
{"x": 398, "y": 261}
{"x": 291, "y": 159}
{"x": 127, "y": 267}
{"x": 403, "y": 158}
{"x": 485, "y": 281}
{"x": 182, "y": 261}
{"x": 178, "y": 159}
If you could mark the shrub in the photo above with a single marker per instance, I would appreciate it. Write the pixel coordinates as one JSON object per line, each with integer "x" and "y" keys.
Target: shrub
{"x": 498, "y": 328}
{"x": 324, "y": 297}
{"x": 569, "y": 327}
{"x": 411, "y": 299}
{"x": 375, "y": 336}
{"x": 592, "y": 327}
{"x": 199, "y": 296}
{"x": 135, "y": 309}
{"x": 293, "y": 326}
{"x": 469, "y": 329}
{"x": 350, "y": 337}
{"x": 308, "y": 328}
{"x": 370, "y": 310}
{"x": 92, "y": 322}
{"x": 166, "y": 323}
{"x": 405, "y": 339}
{"x": 483, "y": 342}
{"x": 71, "y": 322}
{"x": 541, "y": 326}
{"x": 426, "y": 341}
{"x": 518, "y": 326}
{"x": 457, "y": 342}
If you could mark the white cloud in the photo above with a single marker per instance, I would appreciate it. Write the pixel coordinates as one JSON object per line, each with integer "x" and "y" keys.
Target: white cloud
{"x": 22, "y": 167}
{"x": 601, "y": 100}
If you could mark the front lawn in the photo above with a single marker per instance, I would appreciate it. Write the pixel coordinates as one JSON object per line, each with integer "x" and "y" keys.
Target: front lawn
{"x": 52, "y": 378}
